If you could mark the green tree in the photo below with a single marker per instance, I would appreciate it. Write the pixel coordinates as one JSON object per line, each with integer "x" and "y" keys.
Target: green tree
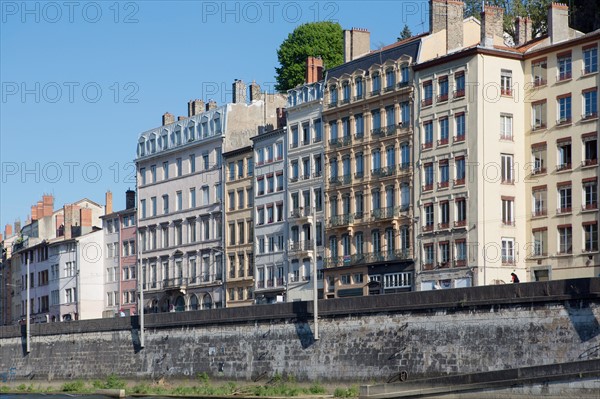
{"x": 405, "y": 34}
{"x": 324, "y": 39}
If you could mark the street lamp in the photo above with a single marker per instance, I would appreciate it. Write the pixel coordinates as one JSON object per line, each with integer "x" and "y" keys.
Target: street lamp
{"x": 314, "y": 273}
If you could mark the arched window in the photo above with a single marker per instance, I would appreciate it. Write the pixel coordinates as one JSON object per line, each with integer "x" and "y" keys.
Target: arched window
{"x": 194, "y": 302}
{"x": 206, "y": 302}
{"x": 179, "y": 304}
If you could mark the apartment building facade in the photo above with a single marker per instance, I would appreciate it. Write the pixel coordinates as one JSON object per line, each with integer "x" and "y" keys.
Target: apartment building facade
{"x": 180, "y": 189}
{"x": 239, "y": 239}
{"x": 367, "y": 116}
{"x": 561, "y": 126}
{"x": 120, "y": 258}
{"x": 270, "y": 211}
{"x": 305, "y": 189}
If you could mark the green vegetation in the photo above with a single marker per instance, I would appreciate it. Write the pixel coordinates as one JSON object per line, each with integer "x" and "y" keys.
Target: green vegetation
{"x": 323, "y": 39}
{"x": 351, "y": 392}
{"x": 278, "y": 385}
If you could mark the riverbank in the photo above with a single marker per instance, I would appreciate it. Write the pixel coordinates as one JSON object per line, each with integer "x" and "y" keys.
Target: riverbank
{"x": 277, "y": 386}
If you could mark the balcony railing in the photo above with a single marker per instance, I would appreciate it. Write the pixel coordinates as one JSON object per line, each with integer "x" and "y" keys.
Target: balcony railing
{"x": 299, "y": 246}
{"x": 390, "y": 130}
{"x": 427, "y": 227}
{"x": 563, "y": 166}
{"x": 317, "y": 174}
{"x": 344, "y": 141}
{"x": 589, "y": 206}
{"x": 564, "y": 210}
{"x": 443, "y": 226}
{"x": 427, "y": 145}
{"x": 539, "y": 212}
{"x": 506, "y": 92}
{"x": 564, "y": 76}
{"x": 443, "y": 184}
{"x": 385, "y": 213}
{"x": 366, "y": 258}
{"x": 589, "y": 115}
{"x": 344, "y": 179}
{"x": 442, "y": 97}
{"x": 563, "y": 121}
{"x": 460, "y": 223}
{"x": 378, "y": 131}
{"x": 427, "y": 102}
{"x": 428, "y": 187}
{"x": 459, "y": 93}
{"x": 341, "y": 220}
{"x": 174, "y": 282}
{"x": 443, "y": 141}
{"x": 539, "y": 81}
{"x": 299, "y": 213}
{"x": 538, "y": 171}
{"x": 589, "y": 162}
{"x": 538, "y": 126}
{"x": 384, "y": 171}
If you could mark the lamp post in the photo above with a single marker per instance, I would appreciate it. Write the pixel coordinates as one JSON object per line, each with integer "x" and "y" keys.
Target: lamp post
{"x": 141, "y": 276}
{"x": 314, "y": 273}
{"x": 28, "y": 307}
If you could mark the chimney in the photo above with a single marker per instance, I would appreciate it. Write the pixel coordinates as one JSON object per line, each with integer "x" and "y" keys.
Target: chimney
{"x": 34, "y": 215}
{"x": 239, "y": 92}
{"x": 314, "y": 70}
{"x": 167, "y": 118}
{"x": 195, "y": 107}
{"x": 254, "y": 91}
{"x": 59, "y": 221}
{"x": 40, "y": 209}
{"x": 437, "y": 16}
{"x": 522, "y": 30}
{"x": 68, "y": 221}
{"x": 8, "y": 230}
{"x": 454, "y": 25}
{"x": 1, "y": 238}
{"x": 129, "y": 199}
{"x": 18, "y": 227}
{"x": 492, "y": 31}
{"x": 85, "y": 215}
{"x": 48, "y": 201}
{"x": 357, "y": 42}
{"x": 558, "y": 22}
{"x": 108, "y": 208}
{"x": 180, "y": 118}
{"x": 212, "y": 104}
{"x": 281, "y": 118}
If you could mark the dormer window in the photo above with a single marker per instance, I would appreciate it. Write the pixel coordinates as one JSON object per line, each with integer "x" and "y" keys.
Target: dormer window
{"x": 390, "y": 79}
{"x": 376, "y": 83}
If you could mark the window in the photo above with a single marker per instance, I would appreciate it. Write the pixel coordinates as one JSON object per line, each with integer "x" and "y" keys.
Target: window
{"x": 376, "y": 241}
{"x": 241, "y": 197}
{"x": 427, "y": 93}
{"x": 345, "y": 279}
{"x": 590, "y": 104}
{"x": 192, "y": 163}
{"x": 318, "y": 130}
{"x": 460, "y": 171}
{"x": 428, "y": 134}
{"x": 333, "y": 132}
{"x": 261, "y": 185}
{"x": 443, "y": 88}
{"x": 590, "y": 150}
{"x": 506, "y": 168}
{"x": 404, "y": 156}
{"x": 179, "y": 198}
{"x": 428, "y": 255}
{"x": 270, "y": 183}
{"x": 153, "y": 173}
{"x": 192, "y": 198}
{"x": 295, "y": 172}
{"x": 261, "y": 245}
{"x": 590, "y": 236}
{"x": 279, "y": 208}
{"x": 165, "y": 199}
{"x": 250, "y": 197}
{"x": 206, "y": 195}
{"x": 376, "y": 83}
{"x": 540, "y": 238}
{"x": 165, "y": 168}
{"x": 564, "y": 155}
{"x": 231, "y": 171}
{"x": 460, "y": 127}
{"x": 508, "y": 211}
{"x": 538, "y": 115}
{"x": 218, "y": 193}
{"x": 506, "y": 83}
{"x": 459, "y": 81}
{"x": 231, "y": 197}
{"x": 318, "y": 162}
{"x": 428, "y": 172}
{"x": 564, "y": 198}
{"x": 178, "y": 234}
{"x": 443, "y": 131}
{"x": 165, "y": 236}
{"x": 444, "y": 252}
{"x": 390, "y": 79}
{"x": 565, "y": 239}
{"x": 444, "y": 215}
{"x": 153, "y": 206}
{"x": 539, "y": 198}
{"x": 404, "y": 75}
{"x": 260, "y": 155}
{"x": 232, "y": 234}
{"x": 359, "y": 243}
{"x": 240, "y": 168}
{"x": 539, "y": 72}
{"x": 333, "y": 95}
{"x": 345, "y": 92}
{"x": 358, "y": 83}
{"x": 590, "y": 60}
{"x": 506, "y": 127}
{"x": 590, "y": 194}
{"x": 564, "y": 109}
{"x": 444, "y": 174}
{"x": 564, "y": 67}
{"x": 428, "y": 217}
{"x": 405, "y": 114}
{"x": 538, "y": 157}
{"x": 178, "y": 164}
{"x": 359, "y": 126}
{"x": 250, "y": 166}
{"x": 205, "y": 164}
{"x": 261, "y": 216}
{"x": 192, "y": 230}
{"x": 376, "y": 121}
{"x": 508, "y": 250}
{"x": 143, "y": 175}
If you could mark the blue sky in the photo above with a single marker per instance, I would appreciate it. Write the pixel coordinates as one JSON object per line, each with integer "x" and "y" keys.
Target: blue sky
{"x": 81, "y": 80}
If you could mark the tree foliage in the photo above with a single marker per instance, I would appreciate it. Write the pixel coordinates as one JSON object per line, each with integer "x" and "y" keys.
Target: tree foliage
{"x": 324, "y": 39}
{"x": 405, "y": 34}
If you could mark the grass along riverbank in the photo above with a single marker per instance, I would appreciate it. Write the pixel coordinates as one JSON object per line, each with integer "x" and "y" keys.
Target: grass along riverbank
{"x": 277, "y": 386}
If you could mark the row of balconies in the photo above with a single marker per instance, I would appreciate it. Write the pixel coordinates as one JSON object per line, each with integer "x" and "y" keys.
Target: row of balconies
{"x": 366, "y": 258}
{"x": 378, "y": 173}
{"x": 430, "y": 265}
{"x": 373, "y": 93}
{"x": 542, "y": 212}
{"x": 458, "y": 224}
{"x": 271, "y": 283}
{"x": 443, "y": 98}
{"x": 378, "y": 133}
{"x": 177, "y": 282}
{"x": 443, "y": 142}
{"x": 565, "y": 166}
{"x": 375, "y": 215}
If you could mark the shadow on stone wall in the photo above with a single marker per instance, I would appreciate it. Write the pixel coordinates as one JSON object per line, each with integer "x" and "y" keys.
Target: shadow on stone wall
{"x": 581, "y": 316}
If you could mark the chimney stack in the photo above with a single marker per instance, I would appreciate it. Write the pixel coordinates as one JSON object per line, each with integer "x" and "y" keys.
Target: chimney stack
{"x": 40, "y": 209}
{"x": 180, "y": 118}
{"x": 254, "y": 91}
{"x": 438, "y": 10}
{"x": 85, "y": 216}
{"x": 34, "y": 215}
{"x": 167, "y": 118}
{"x": 212, "y": 104}
{"x": 357, "y": 42}
{"x": 239, "y": 92}
{"x": 8, "y": 230}
{"x": 129, "y": 199}
{"x": 18, "y": 227}
{"x": 281, "y": 118}
{"x": 108, "y": 208}
{"x": 1, "y": 238}
{"x": 68, "y": 221}
{"x": 48, "y": 201}
{"x": 492, "y": 31}
{"x": 195, "y": 107}
{"x": 314, "y": 69}
{"x": 558, "y": 22}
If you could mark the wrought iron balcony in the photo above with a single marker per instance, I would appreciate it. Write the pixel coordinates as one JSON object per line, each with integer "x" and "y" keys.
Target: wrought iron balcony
{"x": 343, "y": 141}
{"x": 385, "y": 213}
{"x": 341, "y": 220}
{"x": 366, "y": 258}
{"x": 384, "y": 172}
{"x": 300, "y": 246}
